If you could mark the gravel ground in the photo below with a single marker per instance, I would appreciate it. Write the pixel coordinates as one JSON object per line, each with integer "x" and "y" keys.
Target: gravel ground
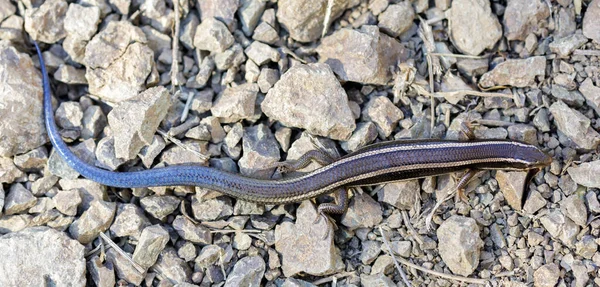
{"x": 250, "y": 83}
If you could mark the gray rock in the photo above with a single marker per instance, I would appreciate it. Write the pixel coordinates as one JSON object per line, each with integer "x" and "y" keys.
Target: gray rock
{"x": 105, "y": 153}
{"x": 190, "y": 154}
{"x": 304, "y": 19}
{"x": 265, "y": 33}
{"x": 370, "y": 251}
{"x": 189, "y": 231}
{"x": 7, "y": 9}
{"x": 235, "y": 103}
{"x": 188, "y": 30}
{"x": 125, "y": 270}
{"x": 590, "y": 198}
{"x": 90, "y": 191}
{"x": 522, "y": 18}
{"x": 267, "y": 78}
{"x": 158, "y": 15}
{"x": 541, "y": 120}
{"x": 211, "y": 209}
{"x": 292, "y": 102}
{"x": 81, "y": 22}
{"x": 381, "y": 111}
{"x": 242, "y": 241}
{"x": 151, "y": 243}
{"x": 586, "y": 174}
{"x": 67, "y": 201}
{"x": 378, "y": 279}
{"x": 212, "y": 35}
{"x": 209, "y": 255}
{"x": 591, "y": 27}
{"x": 563, "y": 47}
{"x": 43, "y": 205}
{"x": 518, "y": 73}
{"x": 299, "y": 251}
{"x": 11, "y": 29}
{"x": 158, "y": 42}
{"x": 363, "y": 212}
{"x": 243, "y": 207}
{"x": 260, "y": 151}
{"x": 187, "y": 251}
{"x": 22, "y": 127}
{"x": 252, "y": 71}
{"x": 402, "y": 248}
{"x": 112, "y": 47}
{"x": 59, "y": 167}
{"x": 575, "y": 126}
{"x": 249, "y": 14}
{"x": 512, "y": 184}
{"x": 150, "y": 152}
{"x": 580, "y": 272}
{"x": 38, "y": 255}
{"x": 103, "y": 275}
{"x": 384, "y": 264}
{"x": 473, "y": 26}
{"x": 369, "y": 59}
{"x": 397, "y": 18}
{"x": 204, "y": 73}
{"x": 121, "y": 6}
{"x": 586, "y": 247}
{"x": 70, "y": 75}
{"x": 547, "y": 275}
{"x": 402, "y": 194}
{"x": 262, "y": 53}
{"x": 9, "y": 171}
{"x": 472, "y": 67}
{"x": 172, "y": 267}
{"x": 203, "y": 101}
{"x": 132, "y": 131}
{"x": 46, "y": 22}
{"x": 129, "y": 221}
{"x": 574, "y": 208}
{"x": 460, "y": 244}
{"x": 93, "y": 122}
{"x": 14, "y": 223}
{"x": 230, "y": 58}
{"x": 560, "y": 226}
{"x": 248, "y": 271}
{"x": 283, "y": 136}
{"x": 34, "y": 160}
{"x": 18, "y": 200}
{"x": 160, "y": 206}
{"x": 94, "y": 220}
{"x": 572, "y": 98}
{"x": 222, "y": 10}
{"x": 591, "y": 94}
{"x": 75, "y": 48}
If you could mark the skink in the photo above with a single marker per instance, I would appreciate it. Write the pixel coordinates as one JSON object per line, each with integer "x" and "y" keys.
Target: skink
{"x": 374, "y": 164}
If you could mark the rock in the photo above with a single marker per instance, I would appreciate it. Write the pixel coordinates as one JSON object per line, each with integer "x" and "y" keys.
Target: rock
{"x": 235, "y": 103}
{"x": 384, "y": 264}
{"x": 9, "y": 171}
{"x": 369, "y": 58}
{"x": 231, "y": 58}
{"x": 378, "y": 279}
{"x": 397, "y": 18}
{"x": 473, "y": 27}
{"x": 160, "y": 206}
{"x": 22, "y": 127}
{"x": 90, "y": 191}
{"x": 459, "y": 244}
{"x": 211, "y": 209}
{"x": 150, "y": 152}
{"x": 362, "y": 212}
{"x": 38, "y": 255}
{"x": 93, "y": 221}
{"x": 370, "y": 251}
{"x": 575, "y": 126}
{"x": 574, "y": 208}
{"x": 299, "y": 251}
{"x": 517, "y": 73}
{"x": 18, "y": 200}
{"x": 546, "y": 276}
{"x": 401, "y": 194}
{"x": 534, "y": 203}
{"x": 249, "y": 14}
{"x": 59, "y": 167}
{"x": 129, "y": 221}
{"x": 260, "y": 152}
{"x": 151, "y": 243}
{"x": 187, "y": 30}
{"x": 156, "y": 14}
{"x": 209, "y": 255}
{"x": 512, "y": 184}
{"x": 563, "y": 47}
{"x": 265, "y": 33}
{"x": 69, "y": 115}
{"x": 7, "y": 9}
{"x": 81, "y": 22}
{"x": 105, "y": 153}
{"x": 304, "y": 19}
{"x": 109, "y": 59}
{"x": 222, "y": 10}
{"x": 591, "y": 27}
{"x": 591, "y": 94}
{"x": 93, "y": 122}
{"x": 189, "y": 231}
{"x": 365, "y": 133}
{"x": 67, "y": 201}
{"x": 187, "y": 251}
{"x": 522, "y": 18}
{"x": 381, "y": 111}
{"x": 172, "y": 267}
{"x": 125, "y": 270}
{"x": 212, "y": 35}
{"x": 292, "y": 102}
{"x": 103, "y": 275}
{"x": 560, "y": 226}
{"x": 472, "y": 67}
{"x": 70, "y": 75}
{"x": 34, "y": 160}
{"x": 248, "y": 271}
{"x": 14, "y": 223}
{"x": 158, "y": 42}
{"x": 262, "y": 53}
{"x": 573, "y": 98}
{"x": 586, "y": 247}
{"x": 267, "y": 78}
{"x": 132, "y": 131}
{"x": 523, "y": 133}
{"x": 46, "y": 23}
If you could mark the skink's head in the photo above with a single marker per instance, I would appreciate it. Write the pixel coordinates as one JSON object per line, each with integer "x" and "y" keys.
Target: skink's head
{"x": 531, "y": 157}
